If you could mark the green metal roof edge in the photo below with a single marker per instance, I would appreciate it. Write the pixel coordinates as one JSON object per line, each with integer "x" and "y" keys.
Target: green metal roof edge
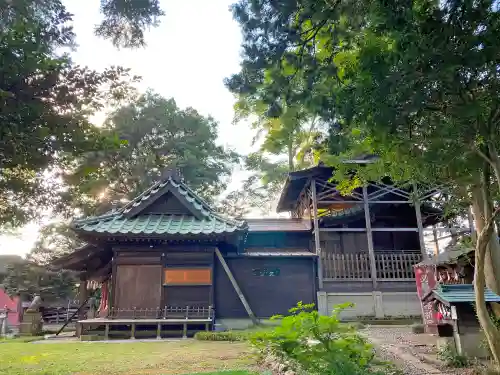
{"x": 445, "y": 293}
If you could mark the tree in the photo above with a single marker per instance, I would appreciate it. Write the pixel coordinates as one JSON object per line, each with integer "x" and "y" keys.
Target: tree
{"x": 158, "y": 135}
{"x": 26, "y": 279}
{"x": 287, "y": 144}
{"x": 45, "y": 104}
{"x": 54, "y": 240}
{"x": 124, "y": 21}
{"x": 415, "y": 82}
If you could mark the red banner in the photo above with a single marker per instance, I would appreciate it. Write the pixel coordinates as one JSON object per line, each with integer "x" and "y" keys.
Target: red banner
{"x": 425, "y": 276}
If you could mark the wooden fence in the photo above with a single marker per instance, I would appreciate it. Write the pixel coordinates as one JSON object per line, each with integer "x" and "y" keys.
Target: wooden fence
{"x": 356, "y": 266}
{"x": 58, "y": 315}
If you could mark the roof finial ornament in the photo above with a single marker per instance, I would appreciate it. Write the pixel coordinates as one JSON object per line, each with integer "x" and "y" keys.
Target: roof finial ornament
{"x": 173, "y": 173}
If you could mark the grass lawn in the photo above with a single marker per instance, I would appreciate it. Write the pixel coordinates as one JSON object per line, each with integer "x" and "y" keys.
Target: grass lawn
{"x": 139, "y": 358}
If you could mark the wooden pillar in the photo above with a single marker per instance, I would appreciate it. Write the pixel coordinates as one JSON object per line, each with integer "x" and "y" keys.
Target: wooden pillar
{"x": 420, "y": 225}
{"x": 132, "y": 332}
{"x": 317, "y": 241}
{"x": 369, "y": 237}
{"x": 158, "y": 331}
{"x": 82, "y": 292}
{"x": 106, "y": 332}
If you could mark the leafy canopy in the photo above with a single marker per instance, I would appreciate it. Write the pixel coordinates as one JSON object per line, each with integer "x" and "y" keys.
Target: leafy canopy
{"x": 45, "y": 104}
{"x": 158, "y": 135}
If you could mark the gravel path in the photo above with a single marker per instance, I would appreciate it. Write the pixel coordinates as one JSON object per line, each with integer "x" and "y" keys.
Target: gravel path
{"x": 412, "y": 354}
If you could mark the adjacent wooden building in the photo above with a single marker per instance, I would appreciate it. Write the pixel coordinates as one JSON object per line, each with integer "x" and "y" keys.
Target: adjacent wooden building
{"x": 168, "y": 257}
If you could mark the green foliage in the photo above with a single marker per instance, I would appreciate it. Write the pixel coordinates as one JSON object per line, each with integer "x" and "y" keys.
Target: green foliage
{"x": 318, "y": 344}
{"x": 27, "y": 278}
{"x": 45, "y": 104}
{"x": 449, "y": 355}
{"x": 414, "y": 82}
{"x": 54, "y": 240}
{"x": 222, "y": 336}
{"x": 157, "y": 135}
{"x": 125, "y": 21}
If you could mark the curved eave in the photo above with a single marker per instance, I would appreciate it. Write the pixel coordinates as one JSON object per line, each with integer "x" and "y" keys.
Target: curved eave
{"x": 160, "y": 237}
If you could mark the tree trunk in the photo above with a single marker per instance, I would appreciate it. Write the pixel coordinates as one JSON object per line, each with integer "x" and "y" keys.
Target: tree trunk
{"x": 291, "y": 157}
{"x": 492, "y": 256}
{"x": 484, "y": 222}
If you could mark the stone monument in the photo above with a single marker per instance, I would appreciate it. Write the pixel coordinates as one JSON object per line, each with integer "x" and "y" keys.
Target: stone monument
{"x": 32, "y": 322}
{"x": 4, "y": 327}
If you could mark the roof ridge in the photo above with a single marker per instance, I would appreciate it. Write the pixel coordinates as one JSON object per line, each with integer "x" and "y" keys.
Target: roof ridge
{"x": 236, "y": 222}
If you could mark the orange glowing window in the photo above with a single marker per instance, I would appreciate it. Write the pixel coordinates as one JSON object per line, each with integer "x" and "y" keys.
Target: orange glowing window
{"x": 188, "y": 276}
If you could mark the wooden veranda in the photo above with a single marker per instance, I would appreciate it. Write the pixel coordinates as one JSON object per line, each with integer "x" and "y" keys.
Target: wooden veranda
{"x": 376, "y": 234}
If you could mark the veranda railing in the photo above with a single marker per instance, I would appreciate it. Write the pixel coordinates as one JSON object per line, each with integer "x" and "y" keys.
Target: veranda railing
{"x": 356, "y": 266}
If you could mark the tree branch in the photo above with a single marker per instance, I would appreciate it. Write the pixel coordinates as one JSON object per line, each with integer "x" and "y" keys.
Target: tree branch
{"x": 483, "y": 155}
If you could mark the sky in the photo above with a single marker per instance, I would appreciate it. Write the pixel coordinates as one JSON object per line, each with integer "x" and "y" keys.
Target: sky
{"x": 187, "y": 57}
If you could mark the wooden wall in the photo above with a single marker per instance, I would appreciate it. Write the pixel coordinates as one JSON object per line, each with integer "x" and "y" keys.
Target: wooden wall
{"x": 189, "y": 295}
{"x": 278, "y": 240}
{"x": 356, "y": 242}
{"x": 137, "y": 280}
{"x": 266, "y": 295}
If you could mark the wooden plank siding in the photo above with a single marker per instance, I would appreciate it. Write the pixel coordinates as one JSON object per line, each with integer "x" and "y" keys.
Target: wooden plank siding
{"x": 267, "y": 295}
{"x": 138, "y": 286}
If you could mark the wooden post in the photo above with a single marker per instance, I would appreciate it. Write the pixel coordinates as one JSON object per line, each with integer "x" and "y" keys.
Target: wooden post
{"x": 184, "y": 331}
{"x": 158, "y": 331}
{"x": 82, "y": 291}
{"x": 106, "y": 331}
{"x": 83, "y": 297}
{"x": 235, "y": 286}
{"x": 420, "y": 224}
{"x": 317, "y": 242}
{"x": 369, "y": 237}
{"x": 132, "y": 332}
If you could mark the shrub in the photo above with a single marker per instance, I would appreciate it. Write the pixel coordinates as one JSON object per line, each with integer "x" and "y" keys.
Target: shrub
{"x": 418, "y": 328}
{"x": 449, "y": 355}
{"x": 317, "y": 344}
{"x": 221, "y": 336}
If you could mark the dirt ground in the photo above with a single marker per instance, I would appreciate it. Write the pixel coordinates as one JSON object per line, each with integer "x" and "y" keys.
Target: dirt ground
{"x": 416, "y": 354}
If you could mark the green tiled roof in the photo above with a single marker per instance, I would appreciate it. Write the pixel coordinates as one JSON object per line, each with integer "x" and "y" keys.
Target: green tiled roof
{"x": 462, "y": 293}
{"x": 155, "y": 190}
{"x": 130, "y": 220}
{"x": 160, "y": 225}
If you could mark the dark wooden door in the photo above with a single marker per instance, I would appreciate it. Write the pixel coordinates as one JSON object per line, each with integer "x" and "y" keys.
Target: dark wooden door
{"x": 138, "y": 286}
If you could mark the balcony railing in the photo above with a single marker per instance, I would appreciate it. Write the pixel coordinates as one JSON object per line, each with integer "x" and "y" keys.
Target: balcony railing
{"x": 168, "y": 312}
{"x": 356, "y": 266}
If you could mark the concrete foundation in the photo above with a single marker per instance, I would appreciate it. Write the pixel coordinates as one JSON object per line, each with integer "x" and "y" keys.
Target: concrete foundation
{"x": 239, "y": 324}
{"x": 474, "y": 345}
{"x": 377, "y": 304}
